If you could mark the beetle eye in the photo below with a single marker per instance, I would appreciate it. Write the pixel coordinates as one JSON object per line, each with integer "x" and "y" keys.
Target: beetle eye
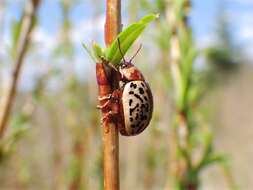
{"x": 123, "y": 65}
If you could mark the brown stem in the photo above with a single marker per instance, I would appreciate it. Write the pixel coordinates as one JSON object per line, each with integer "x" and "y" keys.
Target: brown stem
{"x": 22, "y": 45}
{"x": 107, "y": 82}
{"x": 110, "y": 135}
{"x": 113, "y": 20}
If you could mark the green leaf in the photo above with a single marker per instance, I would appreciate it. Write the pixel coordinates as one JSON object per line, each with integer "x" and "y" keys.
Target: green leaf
{"x": 127, "y": 37}
{"x": 89, "y": 52}
{"x": 215, "y": 158}
{"x": 148, "y": 18}
{"x": 98, "y": 51}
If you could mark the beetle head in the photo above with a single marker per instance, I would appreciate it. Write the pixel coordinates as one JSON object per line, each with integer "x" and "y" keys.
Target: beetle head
{"x": 127, "y": 69}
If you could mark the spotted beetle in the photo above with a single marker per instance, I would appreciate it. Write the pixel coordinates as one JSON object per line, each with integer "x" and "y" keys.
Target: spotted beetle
{"x": 133, "y": 99}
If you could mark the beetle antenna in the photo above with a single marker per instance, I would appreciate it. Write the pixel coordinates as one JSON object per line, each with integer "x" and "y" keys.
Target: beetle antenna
{"x": 121, "y": 51}
{"x": 136, "y": 53}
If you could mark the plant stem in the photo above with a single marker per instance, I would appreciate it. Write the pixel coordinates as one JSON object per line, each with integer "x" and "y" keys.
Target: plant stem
{"x": 113, "y": 20}
{"x": 181, "y": 168}
{"x": 23, "y": 42}
{"x": 107, "y": 82}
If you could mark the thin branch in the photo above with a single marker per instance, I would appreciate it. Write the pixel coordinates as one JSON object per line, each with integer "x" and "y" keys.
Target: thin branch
{"x": 107, "y": 82}
{"x": 23, "y": 42}
{"x": 181, "y": 155}
{"x": 113, "y": 20}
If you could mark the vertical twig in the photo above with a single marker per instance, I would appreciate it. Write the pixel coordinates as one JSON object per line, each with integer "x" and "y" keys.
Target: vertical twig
{"x": 107, "y": 82}
{"x": 22, "y": 45}
{"x": 174, "y": 61}
{"x": 181, "y": 167}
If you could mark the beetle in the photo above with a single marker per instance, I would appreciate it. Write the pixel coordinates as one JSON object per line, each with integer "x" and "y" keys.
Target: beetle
{"x": 132, "y": 102}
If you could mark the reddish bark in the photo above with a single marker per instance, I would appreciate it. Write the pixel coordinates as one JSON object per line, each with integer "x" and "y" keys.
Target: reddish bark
{"x": 110, "y": 130}
{"x": 107, "y": 83}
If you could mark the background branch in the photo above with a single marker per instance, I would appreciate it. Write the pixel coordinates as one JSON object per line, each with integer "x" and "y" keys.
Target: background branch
{"x": 23, "y": 42}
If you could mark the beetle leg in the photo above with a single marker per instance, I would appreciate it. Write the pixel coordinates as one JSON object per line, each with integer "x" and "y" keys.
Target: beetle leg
{"x": 103, "y": 98}
{"x": 110, "y": 99}
{"x": 106, "y": 97}
{"x": 108, "y": 102}
{"x": 104, "y": 105}
{"x": 110, "y": 107}
{"x": 108, "y": 116}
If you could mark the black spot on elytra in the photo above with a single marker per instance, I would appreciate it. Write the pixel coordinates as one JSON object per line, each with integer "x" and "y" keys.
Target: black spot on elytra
{"x": 133, "y": 126}
{"x": 137, "y": 116}
{"x": 137, "y": 96}
{"x": 131, "y": 92}
{"x": 138, "y": 124}
{"x": 132, "y": 109}
{"x": 132, "y": 85}
{"x": 130, "y": 102}
{"x": 142, "y": 106}
{"x": 147, "y": 107}
{"x": 141, "y": 90}
{"x": 131, "y": 119}
{"x": 140, "y": 129}
{"x": 142, "y": 84}
{"x": 145, "y": 98}
{"x": 143, "y": 117}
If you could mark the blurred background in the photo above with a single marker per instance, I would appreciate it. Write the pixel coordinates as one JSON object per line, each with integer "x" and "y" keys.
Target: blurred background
{"x": 54, "y": 139}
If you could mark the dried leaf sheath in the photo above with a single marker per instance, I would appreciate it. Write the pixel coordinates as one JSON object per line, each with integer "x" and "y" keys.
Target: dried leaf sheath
{"x": 104, "y": 87}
